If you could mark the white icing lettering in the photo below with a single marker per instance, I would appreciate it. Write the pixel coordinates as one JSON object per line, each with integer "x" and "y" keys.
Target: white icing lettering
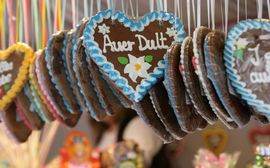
{"x": 255, "y": 61}
{"x": 146, "y": 44}
{"x": 262, "y": 77}
{"x": 4, "y": 79}
{"x": 118, "y": 46}
{"x": 5, "y": 66}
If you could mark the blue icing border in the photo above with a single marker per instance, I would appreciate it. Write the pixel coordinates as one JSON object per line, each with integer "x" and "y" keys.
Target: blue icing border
{"x": 47, "y": 58}
{"x": 235, "y": 78}
{"x": 93, "y": 83}
{"x": 65, "y": 65}
{"x": 74, "y": 49}
{"x": 107, "y": 67}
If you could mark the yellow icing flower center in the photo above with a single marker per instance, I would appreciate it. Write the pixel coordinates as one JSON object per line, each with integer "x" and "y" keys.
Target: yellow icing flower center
{"x": 138, "y": 67}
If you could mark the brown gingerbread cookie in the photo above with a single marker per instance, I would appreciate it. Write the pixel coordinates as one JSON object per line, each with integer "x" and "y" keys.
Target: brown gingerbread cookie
{"x": 110, "y": 101}
{"x": 85, "y": 83}
{"x": 52, "y": 94}
{"x": 213, "y": 54}
{"x": 191, "y": 82}
{"x": 13, "y": 124}
{"x": 146, "y": 111}
{"x": 160, "y": 101}
{"x": 198, "y": 40}
{"x": 67, "y": 60}
{"x": 57, "y": 72}
{"x": 28, "y": 113}
{"x": 186, "y": 115}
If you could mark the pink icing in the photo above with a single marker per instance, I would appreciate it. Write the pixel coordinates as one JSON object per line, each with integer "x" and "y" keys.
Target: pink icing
{"x": 25, "y": 120}
{"x": 51, "y": 103}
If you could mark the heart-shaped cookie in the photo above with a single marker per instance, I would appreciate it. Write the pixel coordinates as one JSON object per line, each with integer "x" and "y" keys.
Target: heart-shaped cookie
{"x": 132, "y": 52}
{"x": 247, "y": 59}
{"x": 14, "y": 63}
{"x": 213, "y": 52}
{"x": 215, "y": 139}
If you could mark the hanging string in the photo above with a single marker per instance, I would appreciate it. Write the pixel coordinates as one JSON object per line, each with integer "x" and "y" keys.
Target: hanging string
{"x": 21, "y": 38}
{"x": 193, "y": 12}
{"x": 260, "y": 8}
{"x": 91, "y": 8}
{"x": 198, "y": 13}
{"x": 77, "y": 12}
{"x": 12, "y": 34}
{"x": 226, "y": 9}
{"x": 73, "y": 14}
{"x": 49, "y": 20}
{"x": 268, "y": 8}
{"x": 85, "y": 6}
{"x": 222, "y": 16}
{"x": 64, "y": 14}
{"x": 109, "y": 4}
{"x": 165, "y": 2}
{"x": 213, "y": 13}
{"x": 123, "y": 6}
{"x": 208, "y": 13}
{"x": 238, "y": 11}
{"x": 131, "y": 9}
{"x": 151, "y": 5}
{"x": 99, "y": 5}
{"x": 180, "y": 8}
{"x": 17, "y": 21}
{"x": 36, "y": 24}
{"x": 59, "y": 14}
{"x": 137, "y": 9}
{"x": 188, "y": 16}
{"x": 2, "y": 24}
{"x": 246, "y": 7}
{"x": 55, "y": 16}
{"x": 43, "y": 23}
{"x": 26, "y": 21}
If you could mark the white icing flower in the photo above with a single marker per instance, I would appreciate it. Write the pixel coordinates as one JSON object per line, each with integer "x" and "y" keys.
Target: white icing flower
{"x": 241, "y": 43}
{"x": 171, "y": 32}
{"x": 103, "y": 29}
{"x": 136, "y": 67}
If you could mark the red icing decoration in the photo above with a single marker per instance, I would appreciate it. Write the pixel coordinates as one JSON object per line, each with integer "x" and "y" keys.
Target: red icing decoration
{"x": 194, "y": 63}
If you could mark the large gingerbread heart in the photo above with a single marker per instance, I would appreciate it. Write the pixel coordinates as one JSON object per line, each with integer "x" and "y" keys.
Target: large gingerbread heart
{"x": 14, "y": 63}
{"x": 132, "y": 52}
{"x": 247, "y": 59}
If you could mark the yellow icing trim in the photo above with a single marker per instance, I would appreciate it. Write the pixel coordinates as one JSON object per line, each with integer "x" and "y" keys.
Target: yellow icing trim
{"x": 22, "y": 72}
{"x": 34, "y": 83}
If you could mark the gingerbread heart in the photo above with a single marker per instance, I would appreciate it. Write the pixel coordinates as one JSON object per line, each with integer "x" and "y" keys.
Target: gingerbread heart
{"x": 215, "y": 139}
{"x": 14, "y": 63}
{"x": 247, "y": 59}
{"x": 132, "y": 52}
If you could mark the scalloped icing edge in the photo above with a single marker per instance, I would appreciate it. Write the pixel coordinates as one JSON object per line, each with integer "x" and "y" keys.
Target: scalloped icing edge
{"x": 234, "y": 77}
{"x": 22, "y": 72}
{"x": 92, "y": 112}
{"x": 37, "y": 103}
{"x": 139, "y": 25}
{"x": 185, "y": 80}
{"x": 199, "y": 73}
{"x": 47, "y": 58}
{"x": 43, "y": 93}
{"x": 35, "y": 85}
{"x": 23, "y": 116}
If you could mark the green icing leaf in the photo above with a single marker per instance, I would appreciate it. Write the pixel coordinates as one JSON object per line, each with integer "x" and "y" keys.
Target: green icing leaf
{"x": 148, "y": 58}
{"x": 239, "y": 54}
{"x": 122, "y": 60}
{"x": 6, "y": 87}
